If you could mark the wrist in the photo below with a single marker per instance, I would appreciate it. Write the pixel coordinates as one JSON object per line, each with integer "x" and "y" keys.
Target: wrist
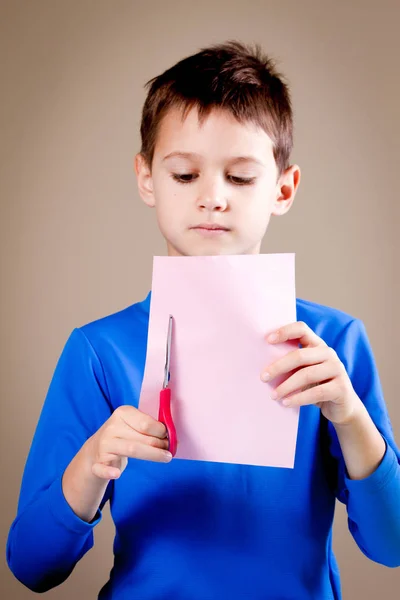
{"x": 356, "y": 416}
{"x": 82, "y": 489}
{"x": 362, "y": 444}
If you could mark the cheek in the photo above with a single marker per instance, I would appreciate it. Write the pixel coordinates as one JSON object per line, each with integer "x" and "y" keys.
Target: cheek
{"x": 169, "y": 194}
{"x": 259, "y": 224}
{"x": 256, "y": 210}
{"x": 169, "y": 215}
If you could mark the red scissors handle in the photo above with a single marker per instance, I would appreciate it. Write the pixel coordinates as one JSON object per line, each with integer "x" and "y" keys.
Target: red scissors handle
{"x": 164, "y": 415}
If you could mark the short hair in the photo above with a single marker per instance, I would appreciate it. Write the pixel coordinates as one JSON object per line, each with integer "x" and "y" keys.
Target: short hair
{"x": 233, "y": 76}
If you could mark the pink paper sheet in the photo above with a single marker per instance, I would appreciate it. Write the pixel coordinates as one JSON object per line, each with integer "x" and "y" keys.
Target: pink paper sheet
{"x": 223, "y": 308}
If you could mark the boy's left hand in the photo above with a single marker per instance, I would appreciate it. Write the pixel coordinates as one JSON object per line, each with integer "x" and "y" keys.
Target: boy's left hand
{"x": 319, "y": 376}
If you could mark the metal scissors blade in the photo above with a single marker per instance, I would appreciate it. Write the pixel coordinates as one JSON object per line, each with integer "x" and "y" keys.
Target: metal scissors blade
{"x": 167, "y": 373}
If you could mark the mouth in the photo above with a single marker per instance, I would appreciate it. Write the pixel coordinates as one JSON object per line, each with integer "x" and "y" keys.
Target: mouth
{"x": 210, "y": 227}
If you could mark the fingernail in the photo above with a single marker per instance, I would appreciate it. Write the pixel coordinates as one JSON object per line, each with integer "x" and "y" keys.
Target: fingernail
{"x": 274, "y": 395}
{"x": 286, "y": 402}
{"x": 273, "y": 337}
{"x": 167, "y": 456}
{"x": 266, "y": 377}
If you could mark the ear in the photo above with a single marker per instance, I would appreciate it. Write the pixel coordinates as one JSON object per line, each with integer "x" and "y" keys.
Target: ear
{"x": 287, "y": 185}
{"x": 145, "y": 180}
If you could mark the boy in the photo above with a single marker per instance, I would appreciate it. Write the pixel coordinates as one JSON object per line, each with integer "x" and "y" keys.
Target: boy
{"x": 216, "y": 139}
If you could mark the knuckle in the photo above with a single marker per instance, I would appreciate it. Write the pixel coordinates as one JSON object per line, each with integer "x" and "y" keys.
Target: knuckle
{"x": 119, "y": 414}
{"x": 132, "y": 449}
{"x": 319, "y": 392}
{"x": 109, "y": 429}
{"x": 299, "y": 356}
{"x": 308, "y": 376}
{"x": 155, "y": 443}
{"x": 332, "y": 354}
{"x": 144, "y": 425}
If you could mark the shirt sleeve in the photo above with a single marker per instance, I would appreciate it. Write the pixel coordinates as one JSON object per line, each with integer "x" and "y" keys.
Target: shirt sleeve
{"x": 47, "y": 538}
{"x": 373, "y": 503}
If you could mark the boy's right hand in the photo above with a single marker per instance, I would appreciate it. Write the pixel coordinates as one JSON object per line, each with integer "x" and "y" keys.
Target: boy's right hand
{"x": 128, "y": 433}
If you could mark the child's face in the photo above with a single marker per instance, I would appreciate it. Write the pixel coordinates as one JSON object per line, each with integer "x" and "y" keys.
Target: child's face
{"x": 238, "y": 195}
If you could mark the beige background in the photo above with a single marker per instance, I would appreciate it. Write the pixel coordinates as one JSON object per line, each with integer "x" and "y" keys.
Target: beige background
{"x": 77, "y": 243}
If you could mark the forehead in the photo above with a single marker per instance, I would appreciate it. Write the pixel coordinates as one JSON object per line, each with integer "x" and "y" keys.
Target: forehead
{"x": 220, "y": 134}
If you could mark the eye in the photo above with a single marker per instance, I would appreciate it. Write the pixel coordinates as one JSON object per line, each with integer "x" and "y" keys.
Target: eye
{"x": 242, "y": 180}
{"x": 189, "y": 177}
{"x": 185, "y": 178}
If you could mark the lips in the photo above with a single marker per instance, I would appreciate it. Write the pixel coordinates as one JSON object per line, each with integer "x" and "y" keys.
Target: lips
{"x": 211, "y": 227}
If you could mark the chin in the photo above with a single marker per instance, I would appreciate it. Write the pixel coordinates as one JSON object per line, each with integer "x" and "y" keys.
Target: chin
{"x": 208, "y": 247}
{"x": 210, "y": 250}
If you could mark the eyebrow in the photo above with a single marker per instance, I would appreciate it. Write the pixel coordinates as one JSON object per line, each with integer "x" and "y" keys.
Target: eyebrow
{"x": 194, "y": 155}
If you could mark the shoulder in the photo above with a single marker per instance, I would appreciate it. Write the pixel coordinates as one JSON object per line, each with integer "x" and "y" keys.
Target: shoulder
{"x": 123, "y": 328}
{"x": 331, "y": 324}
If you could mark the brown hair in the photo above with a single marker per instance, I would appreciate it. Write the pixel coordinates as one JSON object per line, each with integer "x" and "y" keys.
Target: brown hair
{"x": 231, "y": 76}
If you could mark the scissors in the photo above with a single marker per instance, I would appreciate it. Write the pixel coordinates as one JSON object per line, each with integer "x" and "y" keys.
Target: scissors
{"x": 164, "y": 414}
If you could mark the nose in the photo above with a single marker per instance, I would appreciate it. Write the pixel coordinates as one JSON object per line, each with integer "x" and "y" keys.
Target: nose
{"x": 212, "y": 198}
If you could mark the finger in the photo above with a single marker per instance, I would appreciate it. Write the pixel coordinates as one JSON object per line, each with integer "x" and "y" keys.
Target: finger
{"x": 306, "y": 377}
{"x": 325, "y": 392}
{"x": 141, "y": 422}
{"x": 123, "y": 431}
{"x": 299, "y": 358}
{"x": 138, "y": 450}
{"x": 296, "y": 331}
{"x": 105, "y": 472}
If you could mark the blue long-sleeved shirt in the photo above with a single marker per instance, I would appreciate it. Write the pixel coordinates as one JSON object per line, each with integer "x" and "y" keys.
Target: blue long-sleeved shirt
{"x": 198, "y": 530}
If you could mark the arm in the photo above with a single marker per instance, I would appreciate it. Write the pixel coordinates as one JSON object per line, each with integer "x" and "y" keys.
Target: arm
{"x": 128, "y": 433}
{"x": 362, "y": 446}
{"x": 367, "y": 456}
{"x": 82, "y": 489}
{"x": 342, "y": 380}
{"x": 47, "y": 538}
